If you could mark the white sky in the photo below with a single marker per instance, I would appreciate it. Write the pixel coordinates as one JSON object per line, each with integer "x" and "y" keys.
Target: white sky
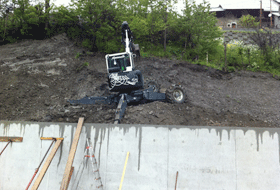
{"x": 179, "y": 6}
{"x": 213, "y": 3}
{"x": 180, "y": 2}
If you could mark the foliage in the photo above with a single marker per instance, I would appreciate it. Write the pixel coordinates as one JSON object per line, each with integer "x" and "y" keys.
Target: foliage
{"x": 77, "y": 55}
{"x": 63, "y": 19}
{"x": 22, "y": 21}
{"x": 250, "y": 57}
{"x": 267, "y": 43}
{"x": 248, "y": 21}
{"x": 96, "y": 25}
{"x": 197, "y": 31}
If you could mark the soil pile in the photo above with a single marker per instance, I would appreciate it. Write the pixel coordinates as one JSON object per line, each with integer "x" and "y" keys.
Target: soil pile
{"x": 39, "y": 76}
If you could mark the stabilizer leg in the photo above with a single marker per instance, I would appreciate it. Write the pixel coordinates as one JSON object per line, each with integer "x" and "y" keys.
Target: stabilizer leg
{"x": 120, "y": 109}
{"x": 94, "y": 100}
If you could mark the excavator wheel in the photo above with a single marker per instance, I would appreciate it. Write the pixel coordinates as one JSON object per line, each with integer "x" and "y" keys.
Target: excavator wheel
{"x": 176, "y": 95}
{"x": 154, "y": 85}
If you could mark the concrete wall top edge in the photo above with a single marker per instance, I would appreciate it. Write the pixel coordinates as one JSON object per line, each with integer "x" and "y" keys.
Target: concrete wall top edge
{"x": 170, "y": 127}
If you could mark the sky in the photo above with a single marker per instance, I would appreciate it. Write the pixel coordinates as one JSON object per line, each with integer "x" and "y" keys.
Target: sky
{"x": 213, "y": 3}
{"x": 179, "y": 6}
{"x": 180, "y": 2}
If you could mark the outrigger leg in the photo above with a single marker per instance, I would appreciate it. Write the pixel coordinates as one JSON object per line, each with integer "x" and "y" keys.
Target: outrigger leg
{"x": 123, "y": 99}
{"x": 120, "y": 109}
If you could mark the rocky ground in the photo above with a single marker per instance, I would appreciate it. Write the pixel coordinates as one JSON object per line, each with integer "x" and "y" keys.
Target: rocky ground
{"x": 38, "y": 77}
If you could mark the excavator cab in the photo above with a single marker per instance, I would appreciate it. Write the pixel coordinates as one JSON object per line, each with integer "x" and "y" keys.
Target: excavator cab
{"x": 121, "y": 73}
{"x": 120, "y": 67}
{"x": 120, "y": 62}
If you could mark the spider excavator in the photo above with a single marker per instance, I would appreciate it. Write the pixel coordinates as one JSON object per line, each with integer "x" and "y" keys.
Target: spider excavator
{"x": 128, "y": 82}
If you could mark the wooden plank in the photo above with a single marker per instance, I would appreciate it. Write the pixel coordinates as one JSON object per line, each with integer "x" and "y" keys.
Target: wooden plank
{"x": 50, "y": 138}
{"x": 70, "y": 175}
{"x": 71, "y": 155}
{"x": 13, "y": 139}
{"x": 46, "y": 165}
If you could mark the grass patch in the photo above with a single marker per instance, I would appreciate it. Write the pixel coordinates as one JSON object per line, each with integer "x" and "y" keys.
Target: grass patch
{"x": 77, "y": 55}
{"x": 239, "y": 57}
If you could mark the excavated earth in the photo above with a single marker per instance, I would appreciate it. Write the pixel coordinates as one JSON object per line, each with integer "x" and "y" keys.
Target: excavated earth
{"x": 39, "y": 76}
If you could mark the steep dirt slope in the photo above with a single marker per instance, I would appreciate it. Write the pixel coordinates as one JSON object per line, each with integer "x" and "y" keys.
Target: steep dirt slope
{"x": 38, "y": 77}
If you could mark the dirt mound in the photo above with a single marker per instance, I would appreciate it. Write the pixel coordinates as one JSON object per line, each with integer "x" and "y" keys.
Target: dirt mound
{"x": 38, "y": 77}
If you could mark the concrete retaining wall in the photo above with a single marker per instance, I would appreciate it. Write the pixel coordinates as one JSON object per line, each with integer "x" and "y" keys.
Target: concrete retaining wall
{"x": 229, "y": 36}
{"x": 205, "y": 157}
{"x": 244, "y": 37}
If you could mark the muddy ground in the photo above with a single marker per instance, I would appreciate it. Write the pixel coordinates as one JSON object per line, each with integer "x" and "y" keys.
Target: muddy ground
{"x": 38, "y": 77}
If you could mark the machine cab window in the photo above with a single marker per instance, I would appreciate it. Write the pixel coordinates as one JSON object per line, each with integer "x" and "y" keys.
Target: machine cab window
{"x": 119, "y": 62}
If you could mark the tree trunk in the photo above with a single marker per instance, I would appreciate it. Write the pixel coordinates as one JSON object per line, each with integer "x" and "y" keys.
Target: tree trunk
{"x": 249, "y": 56}
{"x": 152, "y": 28}
{"x": 225, "y": 50}
{"x": 4, "y": 27}
{"x": 185, "y": 47}
{"x": 165, "y": 19}
{"x": 13, "y": 20}
{"x": 164, "y": 40}
{"x": 47, "y": 5}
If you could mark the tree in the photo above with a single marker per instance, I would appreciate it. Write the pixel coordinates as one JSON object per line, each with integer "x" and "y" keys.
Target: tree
{"x": 268, "y": 43}
{"x": 5, "y": 10}
{"x": 97, "y": 20}
{"x": 197, "y": 30}
{"x": 248, "y": 21}
{"x": 47, "y": 6}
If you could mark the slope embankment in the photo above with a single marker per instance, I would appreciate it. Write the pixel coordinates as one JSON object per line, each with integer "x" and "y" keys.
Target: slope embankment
{"x": 39, "y": 76}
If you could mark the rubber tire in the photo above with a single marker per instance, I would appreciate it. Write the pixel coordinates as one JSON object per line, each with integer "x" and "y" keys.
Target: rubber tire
{"x": 170, "y": 95}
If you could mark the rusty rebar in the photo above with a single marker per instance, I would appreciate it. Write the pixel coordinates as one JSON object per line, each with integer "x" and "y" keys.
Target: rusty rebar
{"x": 37, "y": 169}
{"x": 5, "y": 147}
{"x": 176, "y": 180}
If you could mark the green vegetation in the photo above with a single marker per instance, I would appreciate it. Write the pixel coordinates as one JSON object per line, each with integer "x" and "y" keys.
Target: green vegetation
{"x": 77, "y": 55}
{"x": 85, "y": 64}
{"x": 159, "y": 30}
{"x": 246, "y": 57}
{"x": 248, "y": 21}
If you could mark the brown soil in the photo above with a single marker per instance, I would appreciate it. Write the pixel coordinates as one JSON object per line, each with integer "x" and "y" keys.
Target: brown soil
{"x": 38, "y": 77}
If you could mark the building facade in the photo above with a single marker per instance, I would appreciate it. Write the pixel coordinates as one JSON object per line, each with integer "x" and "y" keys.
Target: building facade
{"x": 229, "y": 14}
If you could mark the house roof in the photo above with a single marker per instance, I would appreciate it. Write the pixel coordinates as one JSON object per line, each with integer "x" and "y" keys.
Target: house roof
{"x": 241, "y": 4}
{"x": 216, "y": 9}
{"x": 276, "y": 14}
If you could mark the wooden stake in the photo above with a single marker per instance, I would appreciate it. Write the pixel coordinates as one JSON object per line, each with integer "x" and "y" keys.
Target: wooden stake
{"x": 124, "y": 168}
{"x": 50, "y": 138}
{"x": 176, "y": 180}
{"x": 71, "y": 156}
{"x": 70, "y": 175}
{"x": 12, "y": 139}
{"x": 46, "y": 166}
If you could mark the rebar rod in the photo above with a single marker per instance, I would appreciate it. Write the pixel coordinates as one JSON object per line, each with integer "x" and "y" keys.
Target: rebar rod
{"x": 37, "y": 169}
{"x": 5, "y": 147}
